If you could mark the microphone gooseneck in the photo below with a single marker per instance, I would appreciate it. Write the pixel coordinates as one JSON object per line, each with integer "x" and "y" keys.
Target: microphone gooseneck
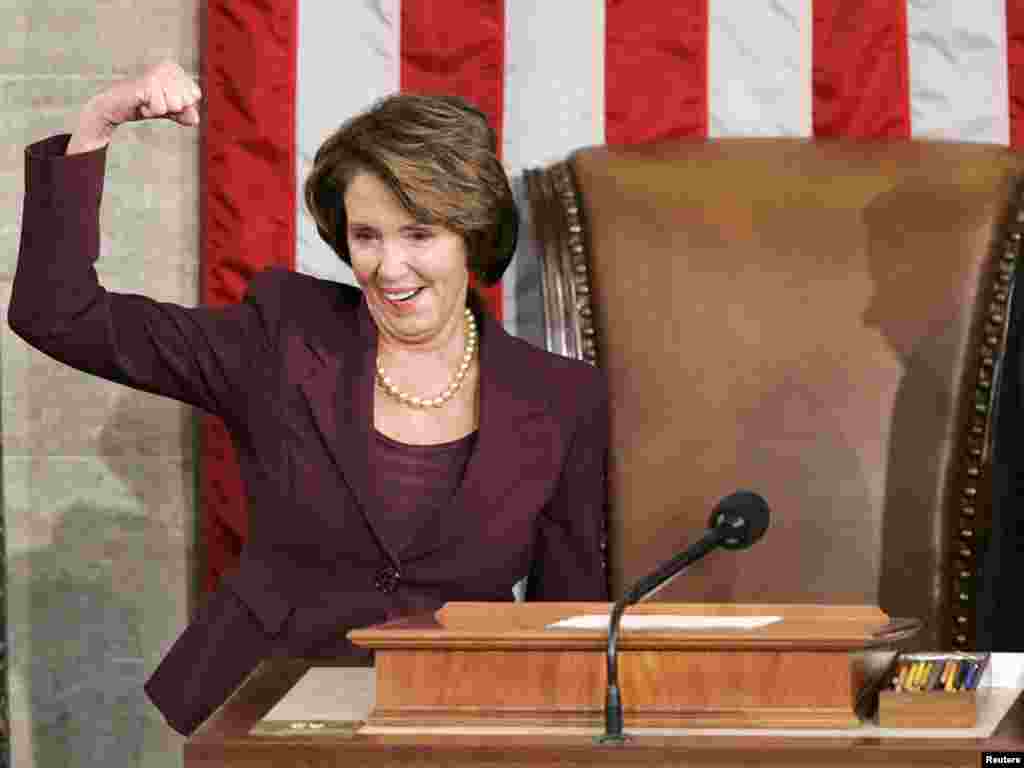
{"x": 736, "y": 522}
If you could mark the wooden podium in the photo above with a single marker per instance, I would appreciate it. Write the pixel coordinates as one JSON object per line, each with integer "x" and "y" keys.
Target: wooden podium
{"x": 487, "y": 664}
{"x": 489, "y": 667}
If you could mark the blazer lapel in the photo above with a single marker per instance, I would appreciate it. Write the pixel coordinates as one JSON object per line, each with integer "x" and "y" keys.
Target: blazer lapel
{"x": 341, "y": 401}
{"x": 515, "y": 423}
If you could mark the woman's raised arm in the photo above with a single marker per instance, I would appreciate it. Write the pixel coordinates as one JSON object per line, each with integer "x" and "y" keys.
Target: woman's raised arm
{"x": 202, "y": 356}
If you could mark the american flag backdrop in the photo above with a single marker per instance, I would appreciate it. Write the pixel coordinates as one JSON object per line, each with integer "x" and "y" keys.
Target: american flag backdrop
{"x": 554, "y": 75}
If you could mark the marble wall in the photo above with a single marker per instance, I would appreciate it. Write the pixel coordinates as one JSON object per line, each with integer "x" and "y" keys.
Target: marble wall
{"x": 98, "y": 484}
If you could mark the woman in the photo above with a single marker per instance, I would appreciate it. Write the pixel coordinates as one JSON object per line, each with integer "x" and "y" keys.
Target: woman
{"x": 398, "y": 448}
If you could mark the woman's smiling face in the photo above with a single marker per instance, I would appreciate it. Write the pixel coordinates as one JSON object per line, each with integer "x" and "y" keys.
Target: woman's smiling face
{"x": 414, "y": 276}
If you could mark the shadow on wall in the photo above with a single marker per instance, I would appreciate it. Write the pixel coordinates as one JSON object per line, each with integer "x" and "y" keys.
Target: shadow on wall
{"x": 101, "y": 608}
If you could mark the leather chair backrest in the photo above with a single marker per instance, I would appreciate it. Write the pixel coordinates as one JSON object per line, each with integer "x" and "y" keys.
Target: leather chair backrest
{"x": 818, "y": 321}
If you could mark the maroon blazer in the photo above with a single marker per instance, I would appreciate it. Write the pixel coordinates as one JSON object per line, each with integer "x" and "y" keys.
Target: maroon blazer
{"x": 290, "y": 370}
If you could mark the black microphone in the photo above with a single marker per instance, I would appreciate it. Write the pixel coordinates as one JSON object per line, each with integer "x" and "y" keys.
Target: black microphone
{"x": 736, "y": 522}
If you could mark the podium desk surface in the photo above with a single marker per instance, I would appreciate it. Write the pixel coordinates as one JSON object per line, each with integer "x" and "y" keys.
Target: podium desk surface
{"x": 226, "y": 740}
{"x": 520, "y": 626}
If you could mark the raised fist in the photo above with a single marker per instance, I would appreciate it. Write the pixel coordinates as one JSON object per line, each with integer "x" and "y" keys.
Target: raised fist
{"x": 164, "y": 91}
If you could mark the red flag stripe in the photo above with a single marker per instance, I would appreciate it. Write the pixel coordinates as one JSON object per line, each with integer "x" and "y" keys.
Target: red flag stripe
{"x": 656, "y": 84}
{"x": 247, "y": 208}
{"x": 464, "y": 55}
{"x": 861, "y": 82}
{"x": 1015, "y": 63}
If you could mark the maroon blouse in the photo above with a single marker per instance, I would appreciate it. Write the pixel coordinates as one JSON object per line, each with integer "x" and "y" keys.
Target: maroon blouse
{"x": 415, "y": 486}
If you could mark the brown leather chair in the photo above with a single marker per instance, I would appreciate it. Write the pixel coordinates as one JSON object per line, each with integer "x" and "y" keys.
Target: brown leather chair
{"x": 822, "y": 322}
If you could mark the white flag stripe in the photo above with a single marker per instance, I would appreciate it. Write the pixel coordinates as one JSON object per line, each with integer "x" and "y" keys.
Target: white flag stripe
{"x": 554, "y": 81}
{"x": 348, "y": 57}
{"x": 959, "y": 87}
{"x": 553, "y": 94}
{"x": 759, "y": 68}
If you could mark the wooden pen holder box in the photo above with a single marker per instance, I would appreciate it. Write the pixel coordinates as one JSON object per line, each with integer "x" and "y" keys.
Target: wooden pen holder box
{"x": 915, "y": 708}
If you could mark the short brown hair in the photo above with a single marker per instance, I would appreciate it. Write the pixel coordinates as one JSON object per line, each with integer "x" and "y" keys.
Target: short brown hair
{"x": 438, "y": 155}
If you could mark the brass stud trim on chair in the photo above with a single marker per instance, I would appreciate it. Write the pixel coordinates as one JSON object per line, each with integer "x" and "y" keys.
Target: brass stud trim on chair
{"x": 575, "y": 270}
{"x": 565, "y": 283}
{"x": 974, "y": 469}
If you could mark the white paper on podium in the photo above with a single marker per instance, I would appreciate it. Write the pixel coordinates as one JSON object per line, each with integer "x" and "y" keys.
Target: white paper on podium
{"x": 666, "y": 621}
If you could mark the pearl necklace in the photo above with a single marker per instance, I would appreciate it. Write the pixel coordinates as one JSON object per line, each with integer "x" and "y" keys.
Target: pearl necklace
{"x": 453, "y": 386}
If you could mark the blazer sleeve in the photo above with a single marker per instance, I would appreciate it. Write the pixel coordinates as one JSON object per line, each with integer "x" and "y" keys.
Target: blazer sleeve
{"x": 568, "y": 561}
{"x": 197, "y": 355}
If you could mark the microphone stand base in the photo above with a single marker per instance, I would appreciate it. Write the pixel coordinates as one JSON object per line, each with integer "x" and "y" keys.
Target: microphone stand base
{"x": 609, "y": 738}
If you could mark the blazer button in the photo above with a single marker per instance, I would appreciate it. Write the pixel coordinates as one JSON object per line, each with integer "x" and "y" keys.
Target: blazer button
{"x": 387, "y": 579}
